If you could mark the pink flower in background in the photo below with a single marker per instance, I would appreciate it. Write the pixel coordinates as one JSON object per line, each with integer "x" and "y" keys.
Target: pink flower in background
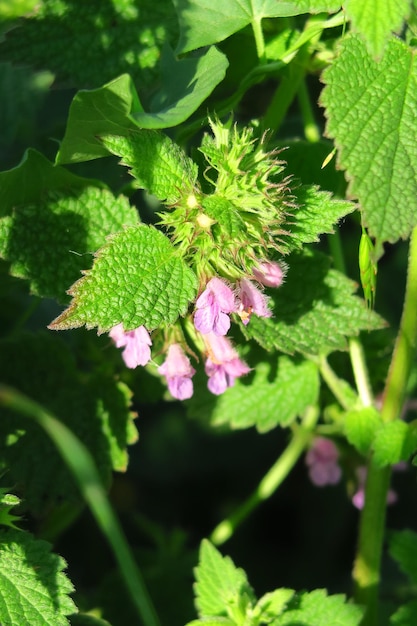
{"x": 223, "y": 364}
{"x": 322, "y": 461}
{"x": 213, "y": 307}
{"x": 252, "y": 300}
{"x": 269, "y": 273}
{"x": 136, "y": 344}
{"x": 178, "y": 371}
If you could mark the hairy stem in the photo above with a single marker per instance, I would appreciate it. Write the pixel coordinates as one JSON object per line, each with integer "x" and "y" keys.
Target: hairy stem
{"x": 366, "y": 571}
{"x": 272, "y": 479}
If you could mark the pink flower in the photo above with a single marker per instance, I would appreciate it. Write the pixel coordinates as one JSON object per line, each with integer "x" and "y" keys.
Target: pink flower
{"x": 136, "y": 345}
{"x": 223, "y": 364}
{"x": 213, "y": 306}
{"x": 321, "y": 459}
{"x": 269, "y": 273}
{"x": 178, "y": 371}
{"x": 252, "y": 300}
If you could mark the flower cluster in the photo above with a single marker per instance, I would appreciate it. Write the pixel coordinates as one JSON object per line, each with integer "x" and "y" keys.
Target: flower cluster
{"x": 322, "y": 462}
{"x": 212, "y": 321}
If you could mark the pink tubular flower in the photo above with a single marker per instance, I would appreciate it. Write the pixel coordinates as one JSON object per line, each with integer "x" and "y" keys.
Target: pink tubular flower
{"x": 213, "y": 306}
{"x": 252, "y": 300}
{"x": 223, "y": 364}
{"x": 136, "y": 344}
{"x": 178, "y": 371}
{"x": 321, "y": 460}
{"x": 269, "y": 273}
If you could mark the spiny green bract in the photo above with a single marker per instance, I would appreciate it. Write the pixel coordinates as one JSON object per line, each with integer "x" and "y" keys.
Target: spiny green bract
{"x": 229, "y": 230}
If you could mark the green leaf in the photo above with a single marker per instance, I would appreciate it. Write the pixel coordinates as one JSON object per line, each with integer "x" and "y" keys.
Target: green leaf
{"x": 376, "y": 20}
{"x": 115, "y": 108}
{"x": 317, "y": 213}
{"x": 319, "y": 609}
{"x": 49, "y": 243}
{"x": 7, "y": 502}
{"x": 221, "y": 588}
{"x": 212, "y": 621}
{"x": 159, "y": 165}
{"x": 34, "y": 178}
{"x": 370, "y": 113}
{"x": 34, "y": 589}
{"x": 394, "y": 442}
{"x": 95, "y": 407}
{"x": 274, "y": 395}
{"x": 89, "y": 43}
{"x": 361, "y": 426}
{"x": 273, "y": 604}
{"x": 314, "y": 310}
{"x": 137, "y": 279}
{"x": 203, "y": 22}
{"x": 403, "y": 549}
{"x": 405, "y": 615}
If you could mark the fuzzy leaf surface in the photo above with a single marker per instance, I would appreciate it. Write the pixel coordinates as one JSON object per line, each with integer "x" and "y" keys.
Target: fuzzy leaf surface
{"x": 115, "y": 108}
{"x": 34, "y": 589}
{"x": 158, "y": 164}
{"x": 314, "y": 310}
{"x": 203, "y": 22}
{"x": 49, "y": 243}
{"x": 274, "y": 394}
{"x": 94, "y": 407}
{"x": 317, "y": 213}
{"x": 376, "y": 20}
{"x": 394, "y": 442}
{"x": 89, "y": 43}
{"x": 361, "y": 426}
{"x": 370, "y": 109}
{"x": 137, "y": 278}
{"x": 34, "y": 178}
{"x": 220, "y": 585}
{"x": 403, "y": 549}
{"x": 319, "y": 609}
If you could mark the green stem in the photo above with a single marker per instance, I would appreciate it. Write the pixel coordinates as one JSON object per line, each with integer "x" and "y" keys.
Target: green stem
{"x": 366, "y": 571}
{"x": 259, "y": 39}
{"x": 336, "y": 385}
{"x": 272, "y": 479}
{"x": 82, "y": 466}
{"x": 311, "y": 130}
{"x": 360, "y": 371}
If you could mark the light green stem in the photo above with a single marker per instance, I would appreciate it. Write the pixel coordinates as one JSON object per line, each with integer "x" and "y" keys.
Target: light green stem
{"x": 366, "y": 571}
{"x": 272, "y": 479}
{"x": 82, "y": 466}
{"x": 311, "y": 130}
{"x": 259, "y": 39}
{"x": 360, "y": 372}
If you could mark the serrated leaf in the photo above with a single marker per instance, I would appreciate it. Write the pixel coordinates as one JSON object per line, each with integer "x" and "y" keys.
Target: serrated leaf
{"x": 158, "y": 164}
{"x": 49, "y": 243}
{"x": 274, "y": 395}
{"x": 314, "y": 310}
{"x": 137, "y": 279}
{"x": 370, "y": 113}
{"x": 220, "y": 587}
{"x": 361, "y": 426}
{"x": 34, "y": 179}
{"x": 319, "y": 609}
{"x": 203, "y": 22}
{"x": 317, "y": 213}
{"x": 405, "y": 615}
{"x": 394, "y": 442}
{"x": 377, "y": 19}
{"x": 33, "y": 588}
{"x": 403, "y": 549}
{"x": 115, "y": 108}
{"x": 88, "y": 43}
{"x": 273, "y": 603}
{"x": 95, "y": 407}
{"x": 212, "y": 621}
